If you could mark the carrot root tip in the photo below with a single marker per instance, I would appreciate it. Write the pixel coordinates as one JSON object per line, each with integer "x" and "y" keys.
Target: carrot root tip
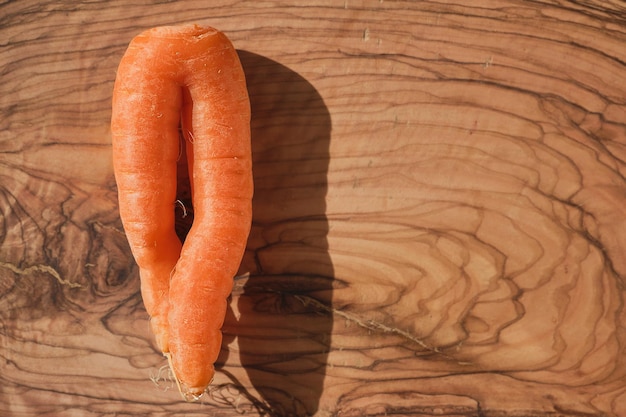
{"x": 189, "y": 394}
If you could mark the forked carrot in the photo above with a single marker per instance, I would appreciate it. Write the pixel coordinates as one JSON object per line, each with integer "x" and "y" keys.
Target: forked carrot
{"x": 169, "y": 77}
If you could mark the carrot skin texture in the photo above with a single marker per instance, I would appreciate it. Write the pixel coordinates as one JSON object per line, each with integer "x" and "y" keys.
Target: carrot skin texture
{"x": 188, "y": 75}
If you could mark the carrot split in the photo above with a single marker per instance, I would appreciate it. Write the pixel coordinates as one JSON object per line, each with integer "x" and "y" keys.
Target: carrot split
{"x": 185, "y": 78}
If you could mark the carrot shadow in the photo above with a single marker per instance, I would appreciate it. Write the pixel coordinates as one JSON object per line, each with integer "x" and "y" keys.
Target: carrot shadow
{"x": 282, "y": 330}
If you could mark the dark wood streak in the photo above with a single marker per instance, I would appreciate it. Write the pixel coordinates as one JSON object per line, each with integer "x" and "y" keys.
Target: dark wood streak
{"x": 439, "y": 222}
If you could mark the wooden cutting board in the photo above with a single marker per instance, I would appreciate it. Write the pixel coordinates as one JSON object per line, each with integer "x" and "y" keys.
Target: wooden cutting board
{"x": 439, "y": 213}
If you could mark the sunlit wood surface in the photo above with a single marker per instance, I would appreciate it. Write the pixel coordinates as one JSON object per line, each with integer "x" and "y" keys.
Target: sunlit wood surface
{"x": 439, "y": 217}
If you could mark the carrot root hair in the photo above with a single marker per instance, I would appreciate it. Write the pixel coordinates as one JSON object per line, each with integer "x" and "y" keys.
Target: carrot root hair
{"x": 182, "y": 206}
{"x": 163, "y": 379}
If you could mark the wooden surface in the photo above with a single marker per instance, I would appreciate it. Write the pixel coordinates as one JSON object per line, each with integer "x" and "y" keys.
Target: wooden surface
{"x": 439, "y": 227}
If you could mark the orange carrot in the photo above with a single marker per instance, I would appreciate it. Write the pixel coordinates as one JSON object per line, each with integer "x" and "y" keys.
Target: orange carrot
{"x": 189, "y": 77}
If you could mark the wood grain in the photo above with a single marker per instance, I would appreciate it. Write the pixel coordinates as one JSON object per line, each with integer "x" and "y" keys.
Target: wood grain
{"x": 439, "y": 215}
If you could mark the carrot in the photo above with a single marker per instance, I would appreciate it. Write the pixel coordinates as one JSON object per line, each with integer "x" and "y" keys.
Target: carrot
{"x": 187, "y": 77}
